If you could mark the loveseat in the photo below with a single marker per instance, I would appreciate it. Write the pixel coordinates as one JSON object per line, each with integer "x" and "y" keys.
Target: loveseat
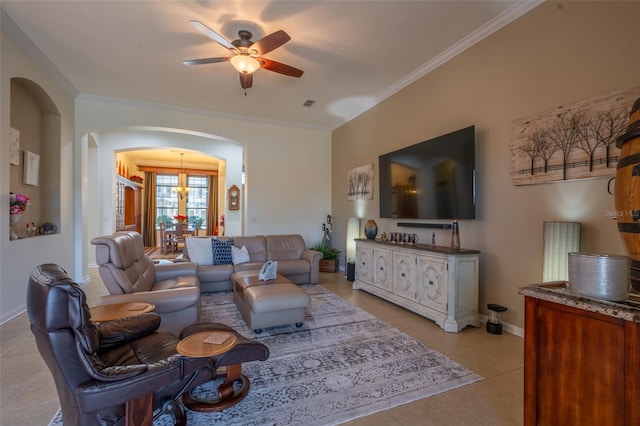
{"x": 248, "y": 253}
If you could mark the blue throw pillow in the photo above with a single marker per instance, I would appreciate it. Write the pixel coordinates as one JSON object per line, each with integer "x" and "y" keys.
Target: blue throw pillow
{"x": 221, "y": 252}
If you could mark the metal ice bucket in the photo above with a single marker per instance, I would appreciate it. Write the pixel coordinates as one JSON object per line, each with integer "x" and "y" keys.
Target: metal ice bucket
{"x": 601, "y": 276}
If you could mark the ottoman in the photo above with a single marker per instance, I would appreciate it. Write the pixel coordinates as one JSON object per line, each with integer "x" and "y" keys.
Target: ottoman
{"x": 268, "y": 303}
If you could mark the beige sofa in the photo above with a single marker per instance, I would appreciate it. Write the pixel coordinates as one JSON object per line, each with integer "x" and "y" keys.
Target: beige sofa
{"x": 295, "y": 261}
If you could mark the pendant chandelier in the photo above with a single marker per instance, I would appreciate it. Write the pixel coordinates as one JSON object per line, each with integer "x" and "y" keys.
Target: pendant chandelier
{"x": 180, "y": 189}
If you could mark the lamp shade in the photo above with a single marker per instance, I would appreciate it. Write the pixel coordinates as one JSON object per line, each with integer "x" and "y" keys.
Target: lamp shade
{"x": 559, "y": 239}
{"x": 353, "y": 232}
{"x": 245, "y": 64}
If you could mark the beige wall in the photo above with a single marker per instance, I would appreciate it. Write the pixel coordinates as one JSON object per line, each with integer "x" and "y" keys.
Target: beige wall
{"x": 18, "y": 258}
{"x": 557, "y": 54}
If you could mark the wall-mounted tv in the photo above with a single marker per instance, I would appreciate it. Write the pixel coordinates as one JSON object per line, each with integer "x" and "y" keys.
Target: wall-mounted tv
{"x": 434, "y": 179}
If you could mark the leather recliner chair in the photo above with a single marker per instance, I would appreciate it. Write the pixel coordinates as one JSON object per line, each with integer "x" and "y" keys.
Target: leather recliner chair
{"x": 131, "y": 276}
{"x": 101, "y": 368}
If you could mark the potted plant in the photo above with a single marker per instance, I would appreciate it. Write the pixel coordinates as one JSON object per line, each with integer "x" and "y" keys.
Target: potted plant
{"x": 329, "y": 261}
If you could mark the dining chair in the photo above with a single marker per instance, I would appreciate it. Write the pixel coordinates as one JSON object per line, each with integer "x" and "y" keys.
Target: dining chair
{"x": 165, "y": 241}
{"x": 178, "y": 236}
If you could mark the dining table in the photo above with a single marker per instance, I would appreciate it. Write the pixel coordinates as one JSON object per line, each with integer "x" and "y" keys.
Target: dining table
{"x": 173, "y": 237}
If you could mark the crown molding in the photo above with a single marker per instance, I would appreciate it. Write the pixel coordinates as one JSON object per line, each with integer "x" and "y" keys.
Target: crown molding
{"x": 508, "y": 16}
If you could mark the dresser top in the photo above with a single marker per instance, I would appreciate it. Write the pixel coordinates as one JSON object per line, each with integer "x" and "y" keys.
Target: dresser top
{"x": 420, "y": 247}
{"x": 558, "y": 292}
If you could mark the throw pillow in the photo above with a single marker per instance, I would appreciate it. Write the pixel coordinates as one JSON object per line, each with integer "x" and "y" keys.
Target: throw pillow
{"x": 199, "y": 250}
{"x": 221, "y": 252}
{"x": 240, "y": 255}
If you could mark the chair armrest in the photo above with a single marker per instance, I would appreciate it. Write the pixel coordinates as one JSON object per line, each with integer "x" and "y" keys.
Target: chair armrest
{"x": 166, "y": 271}
{"x": 313, "y": 256}
{"x": 115, "y": 333}
{"x": 169, "y": 300}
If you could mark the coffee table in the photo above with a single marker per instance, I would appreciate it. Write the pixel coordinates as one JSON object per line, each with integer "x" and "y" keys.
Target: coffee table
{"x": 119, "y": 310}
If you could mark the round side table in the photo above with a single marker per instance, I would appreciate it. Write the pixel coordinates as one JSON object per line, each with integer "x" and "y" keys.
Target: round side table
{"x": 207, "y": 343}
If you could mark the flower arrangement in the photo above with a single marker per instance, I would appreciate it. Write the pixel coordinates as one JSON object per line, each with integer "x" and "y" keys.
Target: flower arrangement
{"x": 18, "y": 203}
{"x": 180, "y": 218}
{"x": 136, "y": 179}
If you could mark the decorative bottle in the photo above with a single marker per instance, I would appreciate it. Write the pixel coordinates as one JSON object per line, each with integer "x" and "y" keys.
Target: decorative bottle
{"x": 455, "y": 236}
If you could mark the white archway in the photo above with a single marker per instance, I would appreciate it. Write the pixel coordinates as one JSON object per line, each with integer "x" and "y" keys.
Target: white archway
{"x": 101, "y": 147}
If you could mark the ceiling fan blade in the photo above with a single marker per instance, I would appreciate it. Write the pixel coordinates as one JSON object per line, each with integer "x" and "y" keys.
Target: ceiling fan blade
{"x": 206, "y": 61}
{"x": 272, "y": 41}
{"x": 212, "y": 34}
{"x": 246, "y": 80}
{"x": 278, "y": 67}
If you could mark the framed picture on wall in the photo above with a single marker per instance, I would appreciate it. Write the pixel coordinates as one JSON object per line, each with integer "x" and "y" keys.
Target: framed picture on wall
{"x": 31, "y": 168}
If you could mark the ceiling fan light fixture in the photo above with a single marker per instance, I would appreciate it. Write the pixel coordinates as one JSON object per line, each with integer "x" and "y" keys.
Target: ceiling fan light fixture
{"x": 245, "y": 64}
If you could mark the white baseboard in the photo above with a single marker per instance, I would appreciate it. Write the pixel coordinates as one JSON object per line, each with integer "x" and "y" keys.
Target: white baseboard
{"x": 8, "y": 316}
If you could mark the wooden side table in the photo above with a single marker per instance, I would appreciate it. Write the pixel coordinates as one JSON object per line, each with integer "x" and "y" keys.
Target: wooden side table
{"x": 119, "y": 310}
{"x": 212, "y": 343}
{"x": 207, "y": 343}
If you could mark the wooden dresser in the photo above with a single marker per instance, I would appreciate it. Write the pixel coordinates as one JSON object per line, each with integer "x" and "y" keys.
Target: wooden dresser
{"x": 581, "y": 359}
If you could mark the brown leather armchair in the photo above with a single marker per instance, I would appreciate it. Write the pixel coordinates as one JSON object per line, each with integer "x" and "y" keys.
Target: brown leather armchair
{"x": 116, "y": 372}
{"x": 131, "y": 276}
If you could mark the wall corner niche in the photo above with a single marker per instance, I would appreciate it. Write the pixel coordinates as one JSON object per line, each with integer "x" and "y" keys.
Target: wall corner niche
{"x": 36, "y": 122}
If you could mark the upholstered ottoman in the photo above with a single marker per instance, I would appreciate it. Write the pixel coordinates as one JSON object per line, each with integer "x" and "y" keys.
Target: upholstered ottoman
{"x": 268, "y": 303}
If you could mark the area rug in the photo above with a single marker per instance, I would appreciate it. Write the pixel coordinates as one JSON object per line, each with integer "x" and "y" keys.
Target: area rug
{"x": 344, "y": 363}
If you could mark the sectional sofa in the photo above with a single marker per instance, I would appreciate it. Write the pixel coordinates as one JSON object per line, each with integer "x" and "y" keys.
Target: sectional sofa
{"x": 219, "y": 257}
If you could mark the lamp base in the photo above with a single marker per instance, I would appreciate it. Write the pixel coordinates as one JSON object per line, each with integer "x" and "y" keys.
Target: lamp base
{"x": 351, "y": 271}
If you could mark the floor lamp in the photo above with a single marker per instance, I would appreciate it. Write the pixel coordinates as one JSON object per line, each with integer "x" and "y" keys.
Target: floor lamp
{"x": 559, "y": 239}
{"x": 353, "y": 232}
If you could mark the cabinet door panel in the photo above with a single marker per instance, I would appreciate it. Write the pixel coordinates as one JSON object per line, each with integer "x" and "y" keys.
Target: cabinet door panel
{"x": 580, "y": 361}
{"x": 382, "y": 269}
{"x": 364, "y": 269}
{"x": 432, "y": 283}
{"x": 404, "y": 272}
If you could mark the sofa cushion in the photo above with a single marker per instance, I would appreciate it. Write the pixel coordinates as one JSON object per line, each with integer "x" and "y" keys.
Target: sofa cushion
{"x": 285, "y": 247}
{"x": 200, "y": 250}
{"x": 293, "y": 267}
{"x": 249, "y": 266}
{"x": 221, "y": 252}
{"x": 240, "y": 255}
{"x": 256, "y": 246}
{"x": 215, "y": 273}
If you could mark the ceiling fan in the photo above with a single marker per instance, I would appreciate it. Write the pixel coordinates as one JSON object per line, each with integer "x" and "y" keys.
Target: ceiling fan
{"x": 247, "y": 54}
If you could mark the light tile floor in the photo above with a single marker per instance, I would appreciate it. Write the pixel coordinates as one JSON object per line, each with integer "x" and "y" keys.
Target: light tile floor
{"x": 28, "y": 395}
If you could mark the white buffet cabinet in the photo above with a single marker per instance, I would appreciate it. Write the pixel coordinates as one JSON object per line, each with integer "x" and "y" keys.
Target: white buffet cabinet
{"x": 435, "y": 282}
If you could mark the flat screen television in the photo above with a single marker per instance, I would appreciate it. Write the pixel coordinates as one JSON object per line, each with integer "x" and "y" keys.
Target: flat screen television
{"x": 434, "y": 179}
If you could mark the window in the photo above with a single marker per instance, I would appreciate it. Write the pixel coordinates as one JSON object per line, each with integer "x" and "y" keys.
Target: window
{"x": 197, "y": 201}
{"x": 166, "y": 200}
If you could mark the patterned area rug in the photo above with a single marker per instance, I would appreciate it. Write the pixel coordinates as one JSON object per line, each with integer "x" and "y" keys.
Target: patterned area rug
{"x": 342, "y": 364}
